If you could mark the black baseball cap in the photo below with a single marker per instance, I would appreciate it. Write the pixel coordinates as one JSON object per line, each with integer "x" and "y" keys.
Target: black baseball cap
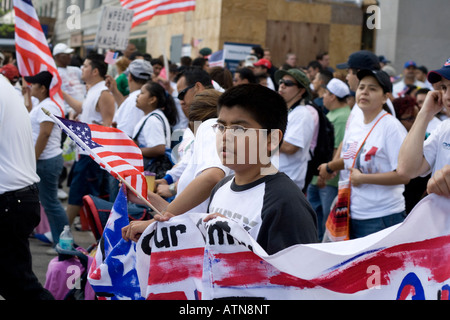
{"x": 361, "y": 60}
{"x": 382, "y": 78}
{"x": 437, "y": 75}
{"x": 44, "y": 78}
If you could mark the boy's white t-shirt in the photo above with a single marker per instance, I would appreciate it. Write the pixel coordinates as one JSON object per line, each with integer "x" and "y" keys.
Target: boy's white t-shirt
{"x": 128, "y": 114}
{"x": 152, "y": 133}
{"x": 379, "y": 155}
{"x": 204, "y": 156}
{"x": 37, "y": 116}
{"x": 299, "y": 132}
{"x": 436, "y": 149}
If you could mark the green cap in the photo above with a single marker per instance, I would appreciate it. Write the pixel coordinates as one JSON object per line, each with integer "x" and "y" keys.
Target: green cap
{"x": 299, "y": 76}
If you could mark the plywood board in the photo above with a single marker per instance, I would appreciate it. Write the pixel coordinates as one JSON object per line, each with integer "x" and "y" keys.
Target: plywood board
{"x": 306, "y": 40}
{"x": 344, "y": 40}
{"x": 296, "y": 11}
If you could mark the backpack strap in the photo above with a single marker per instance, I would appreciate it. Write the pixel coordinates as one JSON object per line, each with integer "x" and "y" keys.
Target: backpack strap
{"x": 143, "y": 124}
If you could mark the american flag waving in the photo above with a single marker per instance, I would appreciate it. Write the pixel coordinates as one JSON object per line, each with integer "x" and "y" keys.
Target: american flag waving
{"x": 112, "y": 149}
{"x": 33, "y": 53}
{"x": 145, "y": 10}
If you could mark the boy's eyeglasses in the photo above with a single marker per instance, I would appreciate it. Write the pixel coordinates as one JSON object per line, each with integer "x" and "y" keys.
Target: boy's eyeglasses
{"x": 184, "y": 91}
{"x": 235, "y": 130}
{"x": 287, "y": 83}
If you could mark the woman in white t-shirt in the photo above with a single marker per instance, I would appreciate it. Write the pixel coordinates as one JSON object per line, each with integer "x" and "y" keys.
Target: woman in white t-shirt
{"x": 47, "y": 141}
{"x": 369, "y": 156}
{"x": 153, "y": 132}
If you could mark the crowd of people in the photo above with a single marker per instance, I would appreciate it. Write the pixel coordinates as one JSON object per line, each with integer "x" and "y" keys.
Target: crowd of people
{"x": 389, "y": 146}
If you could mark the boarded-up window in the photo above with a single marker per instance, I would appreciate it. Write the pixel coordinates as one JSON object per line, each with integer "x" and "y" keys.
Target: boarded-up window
{"x": 306, "y": 40}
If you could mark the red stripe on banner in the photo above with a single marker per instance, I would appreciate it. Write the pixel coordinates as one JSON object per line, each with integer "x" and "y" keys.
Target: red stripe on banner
{"x": 353, "y": 278}
{"x": 177, "y": 295}
{"x": 174, "y": 266}
{"x": 245, "y": 269}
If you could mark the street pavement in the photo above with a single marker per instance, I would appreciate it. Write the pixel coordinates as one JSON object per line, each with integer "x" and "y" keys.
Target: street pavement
{"x": 40, "y": 257}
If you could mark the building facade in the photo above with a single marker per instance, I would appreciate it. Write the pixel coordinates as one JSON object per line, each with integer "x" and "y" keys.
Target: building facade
{"x": 403, "y": 30}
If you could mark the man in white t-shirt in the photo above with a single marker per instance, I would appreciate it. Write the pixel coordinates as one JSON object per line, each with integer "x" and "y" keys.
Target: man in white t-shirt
{"x": 294, "y": 152}
{"x": 98, "y": 107}
{"x": 409, "y": 78}
{"x": 418, "y": 158}
{"x": 71, "y": 81}
{"x": 19, "y": 199}
{"x": 128, "y": 115}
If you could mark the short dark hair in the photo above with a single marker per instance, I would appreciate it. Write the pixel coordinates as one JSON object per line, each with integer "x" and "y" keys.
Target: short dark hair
{"x": 194, "y": 74}
{"x": 156, "y": 61}
{"x": 98, "y": 62}
{"x": 247, "y": 73}
{"x": 422, "y": 91}
{"x": 320, "y": 55}
{"x": 266, "y": 106}
{"x": 315, "y": 65}
{"x": 259, "y": 52}
{"x": 326, "y": 76}
{"x": 199, "y": 62}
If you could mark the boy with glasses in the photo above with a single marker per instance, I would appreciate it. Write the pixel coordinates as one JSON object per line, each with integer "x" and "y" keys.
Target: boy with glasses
{"x": 259, "y": 197}
{"x": 263, "y": 200}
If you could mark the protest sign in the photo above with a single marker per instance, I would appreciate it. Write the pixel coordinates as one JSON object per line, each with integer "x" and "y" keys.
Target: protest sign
{"x": 114, "y": 28}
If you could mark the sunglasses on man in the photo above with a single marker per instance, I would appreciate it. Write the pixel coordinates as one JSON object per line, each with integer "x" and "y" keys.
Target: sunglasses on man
{"x": 287, "y": 83}
{"x": 184, "y": 91}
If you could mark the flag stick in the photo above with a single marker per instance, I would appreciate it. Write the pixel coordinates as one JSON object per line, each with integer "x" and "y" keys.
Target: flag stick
{"x": 107, "y": 166}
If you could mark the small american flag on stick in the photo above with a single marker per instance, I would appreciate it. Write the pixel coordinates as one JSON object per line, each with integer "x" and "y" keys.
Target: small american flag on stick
{"x": 112, "y": 149}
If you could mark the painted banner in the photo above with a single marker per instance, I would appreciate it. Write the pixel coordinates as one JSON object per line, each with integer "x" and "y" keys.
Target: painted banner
{"x": 187, "y": 259}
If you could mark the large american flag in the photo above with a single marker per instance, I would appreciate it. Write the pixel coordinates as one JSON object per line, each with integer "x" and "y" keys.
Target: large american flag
{"x": 145, "y": 10}
{"x": 111, "y": 148}
{"x": 32, "y": 51}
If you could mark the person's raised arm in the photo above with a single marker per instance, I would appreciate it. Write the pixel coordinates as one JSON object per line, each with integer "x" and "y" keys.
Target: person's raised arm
{"x": 73, "y": 103}
{"x": 111, "y": 84}
{"x": 411, "y": 161}
{"x": 106, "y": 106}
{"x": 196, "y": 192}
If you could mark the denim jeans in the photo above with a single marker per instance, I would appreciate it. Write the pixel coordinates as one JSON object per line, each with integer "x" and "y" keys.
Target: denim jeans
{"x": 321, "y": 198}
{"x": 88, "y": 177}
{"x": 362, "y": 228}
{"x": 49, "y": 171}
